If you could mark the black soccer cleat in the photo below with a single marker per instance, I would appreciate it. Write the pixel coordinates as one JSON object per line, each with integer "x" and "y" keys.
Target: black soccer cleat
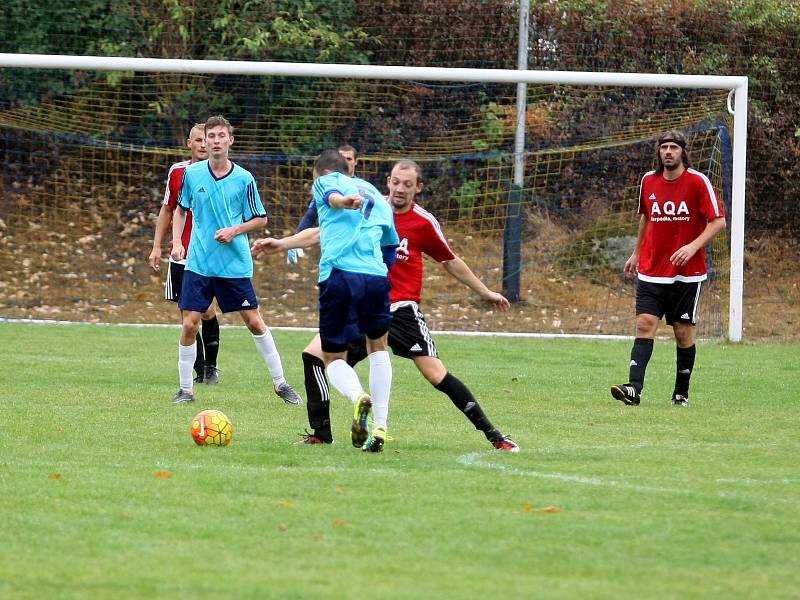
{"x": 625, "y": 393}
{"x": 678, "y": 400}
{"x": 211, "y": 375}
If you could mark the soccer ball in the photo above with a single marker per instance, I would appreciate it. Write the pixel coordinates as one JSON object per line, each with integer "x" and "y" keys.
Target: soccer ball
{"x": 212, "y": 428}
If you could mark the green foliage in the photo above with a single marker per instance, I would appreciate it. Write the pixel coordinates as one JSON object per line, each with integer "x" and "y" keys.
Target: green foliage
{"x": 493, "y": 126}
{"x": 69, "y": 27}
{"x": 467, "y": 197}
{"x": 765, "y": 13}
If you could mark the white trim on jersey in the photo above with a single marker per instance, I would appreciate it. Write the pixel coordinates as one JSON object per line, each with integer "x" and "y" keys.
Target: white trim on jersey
{"x": 429, "y": 217}
{"x": 710, "y": 190}
{"x": 177, "y": 165}
{"x": 683, "y": 278}
{"x": 641, "y": 187}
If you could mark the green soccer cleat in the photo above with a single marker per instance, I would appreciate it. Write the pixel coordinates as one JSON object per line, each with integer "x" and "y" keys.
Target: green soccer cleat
{"x": 376, "y": 440}
{"x": 359, "y": 431}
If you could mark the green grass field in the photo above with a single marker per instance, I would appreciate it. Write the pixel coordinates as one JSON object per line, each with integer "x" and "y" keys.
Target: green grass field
{"x": 104, "y": 494}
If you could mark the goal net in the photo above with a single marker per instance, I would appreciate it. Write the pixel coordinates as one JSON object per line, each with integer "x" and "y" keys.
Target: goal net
{"x": 86, "y": 153}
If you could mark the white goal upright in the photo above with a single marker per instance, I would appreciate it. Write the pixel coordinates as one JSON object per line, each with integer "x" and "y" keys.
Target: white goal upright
{"x": 482, "y": 156}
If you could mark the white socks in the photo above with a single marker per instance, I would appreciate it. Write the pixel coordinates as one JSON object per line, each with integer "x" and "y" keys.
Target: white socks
{"x": 269, "y": 352}
{"x": 186, "y": 358}
{"x": 380, "y": 385}
{"x": 345, "y": 380}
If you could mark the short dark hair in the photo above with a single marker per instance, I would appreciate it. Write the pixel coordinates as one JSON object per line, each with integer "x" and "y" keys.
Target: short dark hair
{"x": 331, "y": 160}
{"x": 219, "y": 121}
{"x": 676, "y": 137}
{"x": 348, "y": 148}
{"x": 409, "y": 164}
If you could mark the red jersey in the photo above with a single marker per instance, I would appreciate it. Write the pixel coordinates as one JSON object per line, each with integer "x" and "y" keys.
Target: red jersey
{"x": 677, "y": 212}
{"x": 171, "y": 195}
{"x": 419, "y": 233}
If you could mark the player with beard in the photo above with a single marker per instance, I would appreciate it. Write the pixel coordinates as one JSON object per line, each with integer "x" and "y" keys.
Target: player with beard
{"x": 409, "y": 337}
{"x": 680, "y": 214}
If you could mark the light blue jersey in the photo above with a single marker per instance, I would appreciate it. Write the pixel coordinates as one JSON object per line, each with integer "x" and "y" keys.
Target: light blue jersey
{"x": 351, "y": 240}
{"x": 215, "y": 204}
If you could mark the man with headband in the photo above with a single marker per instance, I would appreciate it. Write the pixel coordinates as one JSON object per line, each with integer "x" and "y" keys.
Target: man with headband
{"x": 679, "y": 215}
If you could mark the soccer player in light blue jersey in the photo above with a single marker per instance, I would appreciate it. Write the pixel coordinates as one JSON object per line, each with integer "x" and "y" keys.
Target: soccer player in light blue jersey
{"x": 225, "y": 205}
{"x": 357, "y": 242}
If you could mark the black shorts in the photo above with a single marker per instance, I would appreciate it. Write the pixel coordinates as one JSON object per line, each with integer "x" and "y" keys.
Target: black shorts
{"x": 174, "y": 282}
{"x": 677, "y": 302}
{"x": 409, "y": 335}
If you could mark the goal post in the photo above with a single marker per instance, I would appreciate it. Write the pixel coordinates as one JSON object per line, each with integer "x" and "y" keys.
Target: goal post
{"x": 737, "y": 86}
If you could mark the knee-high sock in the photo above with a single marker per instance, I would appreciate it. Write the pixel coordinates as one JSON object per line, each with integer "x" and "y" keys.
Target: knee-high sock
{"x": 345, "y": 380}
{"x": 199, "y": 362}
{"x": 640, "y": 355}
{"x": 462, "y": 398}
{"x": 186, "y": 358}
{"x": 269, "y": 352}
{"x": 317, "y": 396}
{"x": 211, "y": 341}
{"x": 685, "y": 366}
{"x": 380, "y": 386}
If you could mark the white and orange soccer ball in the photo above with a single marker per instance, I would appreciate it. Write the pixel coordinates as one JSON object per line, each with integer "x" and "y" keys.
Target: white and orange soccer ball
{"x": 212, "y": 428}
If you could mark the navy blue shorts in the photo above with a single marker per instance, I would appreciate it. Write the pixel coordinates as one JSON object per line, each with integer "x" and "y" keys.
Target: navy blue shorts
{"x": 352, "y": 305}
{"x": 677, "y": 302}
{"x": 232, "y": 293}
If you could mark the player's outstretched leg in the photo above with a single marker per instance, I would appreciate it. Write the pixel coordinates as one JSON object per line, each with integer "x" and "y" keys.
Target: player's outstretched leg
{"x": 461, "y": 396}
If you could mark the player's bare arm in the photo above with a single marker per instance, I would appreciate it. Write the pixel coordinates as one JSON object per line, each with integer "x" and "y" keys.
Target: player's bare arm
{"x": 303, "y": 239}
{"x": 353, "y": 201}
{"x": 632, "y": 264}
{"x": 162, "y": 226}
{"x": 226, "y": 234}
{"x": 461, "y": 271}
{"x": 178, "y": 221}
{"x": 683, "y": 254}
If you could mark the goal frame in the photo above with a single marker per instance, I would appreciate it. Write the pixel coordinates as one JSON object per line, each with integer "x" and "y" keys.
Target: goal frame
{"x": 737, "y": 85}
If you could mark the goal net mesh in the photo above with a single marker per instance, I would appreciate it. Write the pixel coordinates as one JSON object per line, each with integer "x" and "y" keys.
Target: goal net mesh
{"x": 84, "y": 174}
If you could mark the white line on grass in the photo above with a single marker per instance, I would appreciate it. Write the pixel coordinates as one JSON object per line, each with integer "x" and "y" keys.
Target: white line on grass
{"x": 477, "y": 459}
